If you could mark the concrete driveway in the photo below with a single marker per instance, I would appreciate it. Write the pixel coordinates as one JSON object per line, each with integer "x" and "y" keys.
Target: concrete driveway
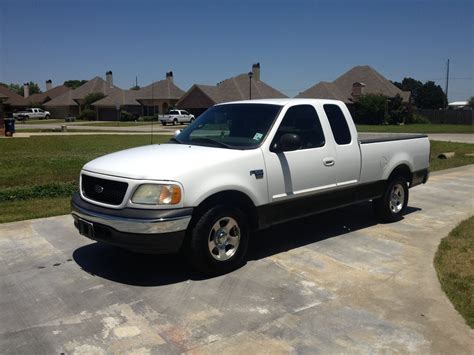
{"x": 337, "y": 282}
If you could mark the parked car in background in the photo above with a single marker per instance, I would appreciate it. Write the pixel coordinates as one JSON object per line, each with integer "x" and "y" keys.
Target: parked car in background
{"x": 32, "y": 113}
{"x": 177, "y": 116}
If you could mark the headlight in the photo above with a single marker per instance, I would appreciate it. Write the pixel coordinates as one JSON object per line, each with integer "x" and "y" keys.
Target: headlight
{"x": 155, "y": 194}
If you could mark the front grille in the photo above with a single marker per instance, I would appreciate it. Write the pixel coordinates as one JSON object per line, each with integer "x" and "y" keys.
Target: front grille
{"x": 102, "y": 190}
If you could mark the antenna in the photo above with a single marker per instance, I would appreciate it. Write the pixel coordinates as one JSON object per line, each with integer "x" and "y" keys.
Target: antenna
{"x": 153, "y": 117}
{"x": 447, "y": 86}
{"x": 136, "y": 81}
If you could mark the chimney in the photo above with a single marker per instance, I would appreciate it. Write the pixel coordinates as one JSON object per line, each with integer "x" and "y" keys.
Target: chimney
{"x": 49, "y": 85}
{"x": 26, "y": 90}
{"x": 169, "y": 76}
{"x": 256, "y": 71}
{"x": 357, "y": 90}
{"x": 108, "y": 78}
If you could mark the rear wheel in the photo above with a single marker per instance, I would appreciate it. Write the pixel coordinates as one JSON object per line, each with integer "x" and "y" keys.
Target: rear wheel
{"x": 392, "y": 205}
{"x": 175, "y": 122}
{"x": 219, "y": 240}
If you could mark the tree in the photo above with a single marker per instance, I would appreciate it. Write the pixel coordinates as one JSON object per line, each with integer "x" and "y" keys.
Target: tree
{"x": 427, "y": 95}
{"x": 91, "y": 98}
{"x": 431, "y": 96}
{"x": 135, "y": 87}
{"x": 74, "y": 84}
{"x": 19, "y": 89}
{"x": 371, "y": 109}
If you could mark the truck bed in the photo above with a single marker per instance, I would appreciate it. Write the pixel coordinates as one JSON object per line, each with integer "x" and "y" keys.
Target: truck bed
{"x": 366, "y": 138}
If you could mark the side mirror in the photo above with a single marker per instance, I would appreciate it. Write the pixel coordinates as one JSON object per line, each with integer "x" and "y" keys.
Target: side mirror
{"x": 176, "y": 133}
{"x": 287, "y": 143}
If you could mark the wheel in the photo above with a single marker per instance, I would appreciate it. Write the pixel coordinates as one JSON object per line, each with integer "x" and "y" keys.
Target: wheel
{"x": 175, "y": 122}
{"x": 219, "y": 240}
{"x": 392, "y": 205}
{"x": 163, "y": 123}
{"x": 46, "y": 117}
{"x": 191, "y": 120}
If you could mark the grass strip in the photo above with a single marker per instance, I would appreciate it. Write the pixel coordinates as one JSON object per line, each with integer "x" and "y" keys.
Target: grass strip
{"x": 38, "y": 191}
{"x": 34, "y": 208}
{"x": 454, "y": 264}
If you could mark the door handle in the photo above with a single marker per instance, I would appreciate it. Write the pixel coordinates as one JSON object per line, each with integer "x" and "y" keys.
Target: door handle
{"x": 329, "y": 161}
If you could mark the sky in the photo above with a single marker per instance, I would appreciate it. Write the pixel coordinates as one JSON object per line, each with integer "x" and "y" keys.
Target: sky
{"x": 298, "y": 43}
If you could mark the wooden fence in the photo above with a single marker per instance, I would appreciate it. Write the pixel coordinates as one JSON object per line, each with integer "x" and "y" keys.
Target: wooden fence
{"x": 449, "y": 116}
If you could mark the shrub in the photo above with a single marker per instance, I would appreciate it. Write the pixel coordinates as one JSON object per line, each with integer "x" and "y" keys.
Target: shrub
{"x": 87, "y": 114}
{"x": 419, "y": 118}
{"x": 148, "y": 118}
{"x": 370, "y": 109}
{"x": 126, "y": 116}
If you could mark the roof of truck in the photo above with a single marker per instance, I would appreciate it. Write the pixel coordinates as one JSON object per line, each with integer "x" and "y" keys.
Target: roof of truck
{"x": 283, "y": 101}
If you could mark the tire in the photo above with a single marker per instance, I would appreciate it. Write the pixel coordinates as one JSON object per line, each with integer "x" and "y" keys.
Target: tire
{"x": 175, "y": 122}
{"x": 212, "y": 256}
{"x": 46, "y": 117}
{"x": 393, "y": 204}
{"x": 191, "y": 120}
{"x": 163, "y": 123}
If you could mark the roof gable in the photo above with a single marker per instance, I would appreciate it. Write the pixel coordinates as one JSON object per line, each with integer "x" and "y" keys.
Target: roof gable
{"x": 11, "y": 98}
{"x": 162, "y": 89}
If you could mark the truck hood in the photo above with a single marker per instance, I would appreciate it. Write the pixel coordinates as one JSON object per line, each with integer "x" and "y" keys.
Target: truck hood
{"x": 161, "y": 161}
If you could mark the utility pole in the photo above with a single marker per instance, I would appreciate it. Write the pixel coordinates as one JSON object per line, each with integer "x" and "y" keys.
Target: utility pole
{"x": 447, "y": 86}
{"x": 136, "y": 81}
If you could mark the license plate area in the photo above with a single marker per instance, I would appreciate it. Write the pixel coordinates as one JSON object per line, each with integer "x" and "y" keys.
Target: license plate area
{"x": 85, "y": 228}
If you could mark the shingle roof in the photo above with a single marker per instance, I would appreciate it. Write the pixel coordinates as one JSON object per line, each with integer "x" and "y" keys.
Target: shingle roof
{"x": 235, "y": 89}
{"x": 374, "y": 82}
{"x": 162, "y": 89}
{"x": 96, "y": 84}
{"x": 12, "y": 98}
{"x": 341, "y": 88}
{"x": 324, "y": 90}
{"x": 48, "y": 95}
{"x": 119, "y": 96}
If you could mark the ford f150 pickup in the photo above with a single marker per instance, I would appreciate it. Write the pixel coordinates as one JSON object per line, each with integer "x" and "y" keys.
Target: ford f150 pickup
{"x": 177, "y": 117}
{"x": 243, "y": 166}
{"x": 32, "y": 113}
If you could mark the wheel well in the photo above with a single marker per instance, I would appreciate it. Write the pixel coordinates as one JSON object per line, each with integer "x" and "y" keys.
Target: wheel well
{"x": 404, "y": 171}
{"x": 232, "y": 198}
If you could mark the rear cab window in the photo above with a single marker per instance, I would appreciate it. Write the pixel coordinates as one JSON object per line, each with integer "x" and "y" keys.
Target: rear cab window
{"x": 338, "y": 123}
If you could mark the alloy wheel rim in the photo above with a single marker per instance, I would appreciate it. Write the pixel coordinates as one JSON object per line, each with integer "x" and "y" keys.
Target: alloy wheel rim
{"x": 224, "y": 238}
{"x": 397, "y": 198}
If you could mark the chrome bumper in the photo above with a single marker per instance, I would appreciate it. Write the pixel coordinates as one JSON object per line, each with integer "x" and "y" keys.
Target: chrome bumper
{"x": 132, "y": 225}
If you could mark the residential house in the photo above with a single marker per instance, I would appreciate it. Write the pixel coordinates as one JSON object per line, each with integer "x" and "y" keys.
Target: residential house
{"x": 155, "y": 98}
{"x": 108, "y": 108}
{"x": 241, "y": 87}
{"x": 12, "y": 102}
{"x": 49, "y": 94}
{"x": 71, "y": 103}
{"x": 159, "y": 96}
{"x": 351, "y": 85}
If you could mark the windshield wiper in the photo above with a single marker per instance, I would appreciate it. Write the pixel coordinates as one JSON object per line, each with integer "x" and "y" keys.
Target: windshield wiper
{"x": 175, "y": 140}
{"x": 212, "y": 141}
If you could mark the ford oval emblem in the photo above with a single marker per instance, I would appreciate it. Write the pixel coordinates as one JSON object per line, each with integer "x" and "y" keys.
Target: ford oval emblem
{"x": 99, "y": 189}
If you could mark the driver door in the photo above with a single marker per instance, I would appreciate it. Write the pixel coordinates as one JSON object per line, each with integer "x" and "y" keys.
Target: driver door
{"x": 302, "y": 174}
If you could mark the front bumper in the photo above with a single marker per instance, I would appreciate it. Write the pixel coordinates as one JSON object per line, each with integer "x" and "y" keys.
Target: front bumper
{"x": 143, "y": 230}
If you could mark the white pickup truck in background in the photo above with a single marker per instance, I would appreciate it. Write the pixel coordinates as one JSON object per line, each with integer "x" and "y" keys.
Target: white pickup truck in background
{"x": 32, "y": 113}
{"x": 244, "y": 166}
{"x": 177, "y": 117}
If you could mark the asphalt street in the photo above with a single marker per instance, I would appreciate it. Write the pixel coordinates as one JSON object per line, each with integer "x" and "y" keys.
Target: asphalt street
{"x": 334, "y": 283}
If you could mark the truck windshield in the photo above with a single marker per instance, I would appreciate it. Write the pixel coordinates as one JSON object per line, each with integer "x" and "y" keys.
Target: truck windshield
{"x": 235, "y": 126}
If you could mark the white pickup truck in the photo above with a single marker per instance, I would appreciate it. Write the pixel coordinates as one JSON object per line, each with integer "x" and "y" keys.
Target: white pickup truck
{"x": 243, "y": 166}
{"x": 32, "y": 113}
{"x": 177, "y": 117}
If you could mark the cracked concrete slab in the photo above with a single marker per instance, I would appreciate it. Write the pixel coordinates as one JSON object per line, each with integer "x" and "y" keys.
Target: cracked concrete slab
{"x": 337, "y": 282}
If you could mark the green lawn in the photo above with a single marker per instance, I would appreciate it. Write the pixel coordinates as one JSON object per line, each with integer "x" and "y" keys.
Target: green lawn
{"x": 46, "y": 168}
{"x": 417, "y": 128}
{"x": 19, "y": 123}
{"x": 454, "y": 263}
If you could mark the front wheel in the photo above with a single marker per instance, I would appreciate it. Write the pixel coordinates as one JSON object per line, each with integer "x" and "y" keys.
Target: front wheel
{"x": 393, "y": 204}
{"x": 175, "y": 122}
{"x": 219, "y": 240}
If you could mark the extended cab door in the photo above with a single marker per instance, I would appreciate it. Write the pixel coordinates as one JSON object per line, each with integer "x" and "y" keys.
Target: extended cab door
{"x": 296, "y": 178}
{"x": 348, "y": 158}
